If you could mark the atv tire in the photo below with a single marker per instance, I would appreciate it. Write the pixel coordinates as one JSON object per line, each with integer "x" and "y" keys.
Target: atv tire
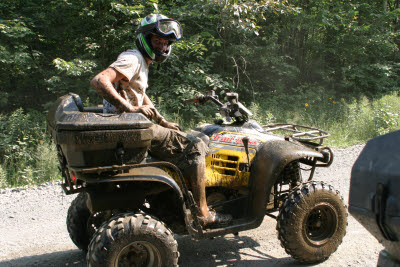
{"x": 77, "y": 218}
{"x": 133, "y": 240}
{"x": 312, "y": 222}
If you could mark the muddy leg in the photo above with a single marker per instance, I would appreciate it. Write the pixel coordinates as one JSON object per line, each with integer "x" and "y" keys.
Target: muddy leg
{"x": 197, "y": 176}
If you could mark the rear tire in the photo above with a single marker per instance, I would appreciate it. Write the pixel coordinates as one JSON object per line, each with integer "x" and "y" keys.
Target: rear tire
{"x": 77, "y": 218}
{"x": 312, "y": 222}
{"x": 133, "y": 240}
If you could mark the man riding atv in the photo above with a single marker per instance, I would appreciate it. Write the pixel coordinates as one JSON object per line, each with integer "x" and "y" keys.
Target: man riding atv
{"x": 123, "y": 86}
{"x": 131, "y": 202}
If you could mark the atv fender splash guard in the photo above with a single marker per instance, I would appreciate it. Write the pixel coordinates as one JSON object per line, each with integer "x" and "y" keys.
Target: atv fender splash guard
{"x": 128, "y": 173}
{"x": 271, "y": 159}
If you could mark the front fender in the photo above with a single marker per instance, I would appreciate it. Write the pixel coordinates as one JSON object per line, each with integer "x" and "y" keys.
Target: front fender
{"x": 271, "y": 159}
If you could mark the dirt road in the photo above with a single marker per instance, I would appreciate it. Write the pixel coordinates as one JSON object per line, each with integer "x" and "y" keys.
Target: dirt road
{"x": 33, "y": 232}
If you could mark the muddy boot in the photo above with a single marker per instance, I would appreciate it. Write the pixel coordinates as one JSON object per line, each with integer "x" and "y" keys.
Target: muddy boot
{"x": 215, "y": 219}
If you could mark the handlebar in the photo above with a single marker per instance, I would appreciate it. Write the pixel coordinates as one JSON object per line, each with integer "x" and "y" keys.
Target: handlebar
{"x": 202, "y": 99}
{"x": 196, "y": 100}
{"x": 232, "y": 109}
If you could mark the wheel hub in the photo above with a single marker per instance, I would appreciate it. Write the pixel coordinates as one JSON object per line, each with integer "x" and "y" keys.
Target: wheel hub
{"x": 139, "y": 253}
{"x": 321, "y": 224}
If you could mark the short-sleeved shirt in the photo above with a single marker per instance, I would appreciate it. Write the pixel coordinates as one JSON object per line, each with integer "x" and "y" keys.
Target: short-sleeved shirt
{"x": 133, "y": 86}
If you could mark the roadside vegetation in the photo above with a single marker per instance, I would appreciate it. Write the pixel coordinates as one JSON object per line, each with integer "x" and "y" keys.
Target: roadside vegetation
{"x": 329, "y": 64}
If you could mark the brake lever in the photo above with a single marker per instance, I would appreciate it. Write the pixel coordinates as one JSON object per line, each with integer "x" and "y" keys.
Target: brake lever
{"x": 198, "y": 100}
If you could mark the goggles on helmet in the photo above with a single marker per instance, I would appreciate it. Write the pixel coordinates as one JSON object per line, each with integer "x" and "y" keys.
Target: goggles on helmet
{"x": 166, "y": 27}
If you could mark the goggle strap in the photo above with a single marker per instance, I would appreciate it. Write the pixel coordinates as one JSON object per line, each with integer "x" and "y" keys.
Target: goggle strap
{"x": 146, "y": 28}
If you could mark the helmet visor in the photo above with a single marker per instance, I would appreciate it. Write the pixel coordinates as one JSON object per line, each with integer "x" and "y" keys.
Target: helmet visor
{"x": 168, "y": 27}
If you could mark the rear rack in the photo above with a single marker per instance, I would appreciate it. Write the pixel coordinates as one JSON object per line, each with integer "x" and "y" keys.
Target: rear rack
{"x": 297, "y": 132}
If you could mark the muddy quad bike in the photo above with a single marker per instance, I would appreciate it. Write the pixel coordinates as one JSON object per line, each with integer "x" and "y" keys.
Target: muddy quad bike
{"x": 130, "y": 203}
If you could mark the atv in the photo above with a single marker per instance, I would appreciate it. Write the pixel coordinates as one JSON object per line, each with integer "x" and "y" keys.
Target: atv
{"x": 130, "y": 204}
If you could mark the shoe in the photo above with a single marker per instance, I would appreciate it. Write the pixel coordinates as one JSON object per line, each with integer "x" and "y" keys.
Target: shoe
{"x": 215, "y": 219}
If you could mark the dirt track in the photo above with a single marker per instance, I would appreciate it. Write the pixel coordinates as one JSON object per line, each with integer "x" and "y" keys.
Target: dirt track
{"x": 33, "y": 232}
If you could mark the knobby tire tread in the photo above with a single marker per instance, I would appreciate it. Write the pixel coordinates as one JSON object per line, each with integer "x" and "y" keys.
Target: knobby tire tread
{"x": 77, "y": 218}
{"x": 291, "y": 213}
{"x": 124, "y": 226}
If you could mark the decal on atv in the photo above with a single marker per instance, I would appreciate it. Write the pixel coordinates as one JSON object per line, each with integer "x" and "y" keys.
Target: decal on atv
{"x": 233, "y": 139}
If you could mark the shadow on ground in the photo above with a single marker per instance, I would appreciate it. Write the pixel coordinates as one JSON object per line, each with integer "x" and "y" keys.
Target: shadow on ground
{"x": 74, "y": 258}
{"x": 220, "y": 251}
{"x": 227, "y": 251}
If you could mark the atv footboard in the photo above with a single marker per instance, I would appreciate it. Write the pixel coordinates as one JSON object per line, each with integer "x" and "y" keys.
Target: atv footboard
{"x": 89, "y": 140}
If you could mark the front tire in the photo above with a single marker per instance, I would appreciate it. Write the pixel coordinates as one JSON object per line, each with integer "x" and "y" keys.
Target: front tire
{"x": 312, "y": 222}
{"x": 133, "y": 240}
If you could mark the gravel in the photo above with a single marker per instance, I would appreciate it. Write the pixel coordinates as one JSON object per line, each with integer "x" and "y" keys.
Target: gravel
{"x": 34, "y": 233}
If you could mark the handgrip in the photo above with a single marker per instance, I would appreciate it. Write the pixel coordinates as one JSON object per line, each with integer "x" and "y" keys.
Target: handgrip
{"x": 198, "y": 100}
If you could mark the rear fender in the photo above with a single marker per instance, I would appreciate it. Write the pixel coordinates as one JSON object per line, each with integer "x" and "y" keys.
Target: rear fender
{"x": 271, "y": 159}
{"x": 155, "y": 180}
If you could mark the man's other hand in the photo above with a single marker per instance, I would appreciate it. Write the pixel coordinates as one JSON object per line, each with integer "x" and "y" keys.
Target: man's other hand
{"x": 170, "y": 125}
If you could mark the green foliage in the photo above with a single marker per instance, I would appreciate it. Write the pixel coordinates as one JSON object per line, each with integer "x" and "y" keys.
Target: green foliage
{"x": 365, "y": 119}
{"x": 3, "y": 177}
{"x": 386, "y": 115}
{"x": 46, "y": 163}
{"x": 19, "y": 133}
{"x": 257, "y": 48}
{"x": 26, "y": 157}
{"x": 264, "y": 117}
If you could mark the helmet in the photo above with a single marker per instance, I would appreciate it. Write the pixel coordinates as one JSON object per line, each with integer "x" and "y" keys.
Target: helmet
{"x": 159, "y": 25}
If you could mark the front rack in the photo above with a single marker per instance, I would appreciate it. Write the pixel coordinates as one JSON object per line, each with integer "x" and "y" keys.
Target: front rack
{"x": 297, "y": 132}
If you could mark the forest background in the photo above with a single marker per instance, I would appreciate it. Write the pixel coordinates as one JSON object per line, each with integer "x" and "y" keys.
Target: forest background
{"x": 325, "y": 63}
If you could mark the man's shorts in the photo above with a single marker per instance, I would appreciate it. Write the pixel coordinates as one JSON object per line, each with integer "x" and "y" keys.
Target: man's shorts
{"x": 182, "y": 149}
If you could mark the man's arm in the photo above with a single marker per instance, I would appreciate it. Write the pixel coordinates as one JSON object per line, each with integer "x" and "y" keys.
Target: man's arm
{"x": 103, "y": 82}
{"x": 147, "y": 101}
